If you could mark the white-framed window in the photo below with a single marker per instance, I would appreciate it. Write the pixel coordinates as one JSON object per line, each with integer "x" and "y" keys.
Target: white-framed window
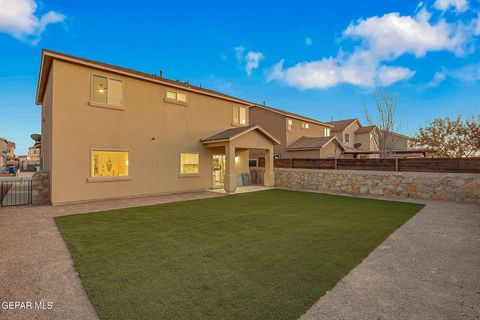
{"x": 305, "y": 125}
{"x": 109, "y": 163}
{"x": 107, "y": 90}
{"x": 289, "y": 124}
{"x": 177, "y": 96}
{"x": 347, "y": 137}
{"x": 239, "y": 116}
{"x": 326, "y": 132}
{"x": 189, "y": 163}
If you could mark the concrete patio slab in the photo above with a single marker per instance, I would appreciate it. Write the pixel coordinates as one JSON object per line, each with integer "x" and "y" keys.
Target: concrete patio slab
{"x": 243, "y": 189}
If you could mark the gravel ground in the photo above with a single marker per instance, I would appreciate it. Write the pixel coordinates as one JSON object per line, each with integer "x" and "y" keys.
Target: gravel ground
{"x": 428, "y": 269}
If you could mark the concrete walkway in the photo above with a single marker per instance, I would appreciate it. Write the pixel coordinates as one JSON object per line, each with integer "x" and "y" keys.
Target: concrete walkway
{"x": 427, "y": 269}
{"x": 35, "y": 265}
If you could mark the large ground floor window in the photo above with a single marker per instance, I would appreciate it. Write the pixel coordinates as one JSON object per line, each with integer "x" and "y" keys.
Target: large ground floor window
{"x": 106, "y": 163}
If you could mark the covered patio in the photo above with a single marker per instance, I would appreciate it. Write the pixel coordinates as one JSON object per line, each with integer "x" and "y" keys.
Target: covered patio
{"x": 235, "y": 143}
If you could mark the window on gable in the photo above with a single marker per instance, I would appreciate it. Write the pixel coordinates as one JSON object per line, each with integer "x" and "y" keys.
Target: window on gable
{"x": 107, "y": 90}
{"x": 305, "y": 125}
{"x": 326, "y": 132}
{"x": 290, "y": 124}
{"x": 347, "y": 137}
{"x": 172, "y": 95}
{"x": 239, "y": 116}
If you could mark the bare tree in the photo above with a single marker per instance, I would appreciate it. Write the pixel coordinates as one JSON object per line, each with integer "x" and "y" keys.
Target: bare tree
{"x": 384, "y": 119}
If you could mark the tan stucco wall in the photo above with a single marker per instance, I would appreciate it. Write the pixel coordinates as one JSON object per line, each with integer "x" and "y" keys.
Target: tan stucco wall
{"x": 331, "y": 150}
{"x": 368, "y": 144}
{"x": 153, "y": 131}
{"x": 303, "y": 154}
{"x": 350, "y": 130}
{"x": 395, "y": 142}
{"x": 276, "y": 125}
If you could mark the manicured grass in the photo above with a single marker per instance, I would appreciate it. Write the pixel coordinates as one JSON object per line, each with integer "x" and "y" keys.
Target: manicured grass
{"x": 260, "y": 255}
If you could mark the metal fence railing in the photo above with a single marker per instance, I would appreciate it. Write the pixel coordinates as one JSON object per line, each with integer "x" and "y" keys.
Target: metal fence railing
{"x": 15, "y": 192}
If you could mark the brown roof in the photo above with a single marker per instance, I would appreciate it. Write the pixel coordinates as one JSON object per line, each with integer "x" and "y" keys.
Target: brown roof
{"x": 233, "y": 133}
{"x": 293, "y": 115}
{"x": 312, "y": 143}
{"x": 366, "y": 129}
{"x": 339, "y": 125}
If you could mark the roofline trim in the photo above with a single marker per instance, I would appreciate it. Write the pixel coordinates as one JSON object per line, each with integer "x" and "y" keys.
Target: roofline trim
{"x": 333, "y": 138}
{"x": 124, "y": 71}
{"x": 294, "y": 116}
{"x": 252, "y": 128}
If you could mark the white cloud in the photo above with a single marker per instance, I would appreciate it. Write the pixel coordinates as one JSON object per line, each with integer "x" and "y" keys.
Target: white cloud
{"x": 252, "y": 60}
{"x": 360, "y": 68}
{"x": 393, "y": 35}
{"x": 382, "y": 39}
{"x": 458, "y": 5}
{"x": 239, "y": 51}
{"x": 389, "y": 75}
{"x": 477, "y": 25}
{"x": 468, "y": 73}
{"x": 308, "y": 41}
{"x": 438, "y": 78}
{"x": 17, "y": 18}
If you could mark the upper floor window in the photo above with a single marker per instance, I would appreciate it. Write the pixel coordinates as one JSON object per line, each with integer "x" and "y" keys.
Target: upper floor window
{"x": 347, "y": 137}
{"x": 239, "y": 116}
{"x": 107, "y": 90}
{"x": 326, "y": 132}
{"x": 305, "y": 125}
{"x": 182, "y": 97}
{"x": 290, "y": 124}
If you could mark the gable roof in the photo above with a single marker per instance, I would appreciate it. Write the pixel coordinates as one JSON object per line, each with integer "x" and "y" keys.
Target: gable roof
{"x": 306, "y": 143}
{"x": 293, "y": 115}
{"x": 366, "y": 129}
{"x": 48, "y": 56}
{"x": 233, "y": 133}
{"x": 340, "y": 125}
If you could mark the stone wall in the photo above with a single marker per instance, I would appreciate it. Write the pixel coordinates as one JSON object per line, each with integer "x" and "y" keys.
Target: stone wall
{"x": 460, "y": 187}
{"x": 41, "y": 188}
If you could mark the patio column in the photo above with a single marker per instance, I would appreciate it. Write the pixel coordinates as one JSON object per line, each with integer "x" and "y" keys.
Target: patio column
{"x": 230, "y": 180}
{"x": 269, "y": 175}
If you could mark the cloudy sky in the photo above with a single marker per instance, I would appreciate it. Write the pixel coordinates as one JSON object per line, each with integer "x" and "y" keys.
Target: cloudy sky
{"x": 322, "y": 59}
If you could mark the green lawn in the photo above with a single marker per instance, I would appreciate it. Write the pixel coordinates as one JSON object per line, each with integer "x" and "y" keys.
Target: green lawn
{"x": 260, "y": 255}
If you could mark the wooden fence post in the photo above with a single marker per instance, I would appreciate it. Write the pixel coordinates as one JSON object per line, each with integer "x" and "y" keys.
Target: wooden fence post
{"x": 335, "y": 166}
{"x": 396, "y": 164}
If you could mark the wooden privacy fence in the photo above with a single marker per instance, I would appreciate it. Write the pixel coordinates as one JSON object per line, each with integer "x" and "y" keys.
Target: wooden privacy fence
{"x": 457, "y": 165}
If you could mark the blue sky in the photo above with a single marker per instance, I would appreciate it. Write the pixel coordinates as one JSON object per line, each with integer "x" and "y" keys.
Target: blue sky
{"x": 317, "y": 58}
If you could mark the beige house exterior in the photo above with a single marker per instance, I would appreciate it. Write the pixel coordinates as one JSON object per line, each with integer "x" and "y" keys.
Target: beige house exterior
{"x": 111, "y": 132}
{"x": 298, "y": 135}
{"x": 362, "y": 141}
{"x": 3, "y": 152}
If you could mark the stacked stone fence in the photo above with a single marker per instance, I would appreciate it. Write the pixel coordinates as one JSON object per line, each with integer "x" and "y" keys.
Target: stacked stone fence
{"x": 41, "y": 188}
{"x": 460, "y": 187}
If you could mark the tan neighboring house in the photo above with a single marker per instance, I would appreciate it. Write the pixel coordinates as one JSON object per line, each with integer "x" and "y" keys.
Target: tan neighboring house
{"x": 362, "y": 141}
{"x": 299, "y": 136}
{"x": 34, "y": 152}
{"x": 110, "y": 132}
{"x": 3, "y": 152}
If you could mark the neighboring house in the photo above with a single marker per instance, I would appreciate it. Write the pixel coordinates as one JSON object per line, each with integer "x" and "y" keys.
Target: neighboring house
{"x": 363, "y": 141}
{"x": 110, "y": 132}
{"x": 299, "y": 136}
{"x": 34, "y": 152}
{"x": 3, "y": 152}
{"x": 10, "y": 150}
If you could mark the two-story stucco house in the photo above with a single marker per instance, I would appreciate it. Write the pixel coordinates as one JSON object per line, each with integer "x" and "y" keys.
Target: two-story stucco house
{"x": 363, "y": 141}
{"x": 299, "y": 136}
{"x": 3, "y": 152}
{"x": 110, "y": 132}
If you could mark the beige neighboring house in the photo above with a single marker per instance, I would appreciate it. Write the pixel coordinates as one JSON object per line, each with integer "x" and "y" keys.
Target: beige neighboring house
{"x": 111, "y": 132}
{"x": 3, "y": 152}
{"x": 362, "y": 141}
{"x": 34, "y": 152}
{"x": 299, "y": 136}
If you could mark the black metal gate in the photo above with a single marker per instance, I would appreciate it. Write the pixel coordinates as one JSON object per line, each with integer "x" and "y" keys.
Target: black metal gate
{"x": 15, "y": 192}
